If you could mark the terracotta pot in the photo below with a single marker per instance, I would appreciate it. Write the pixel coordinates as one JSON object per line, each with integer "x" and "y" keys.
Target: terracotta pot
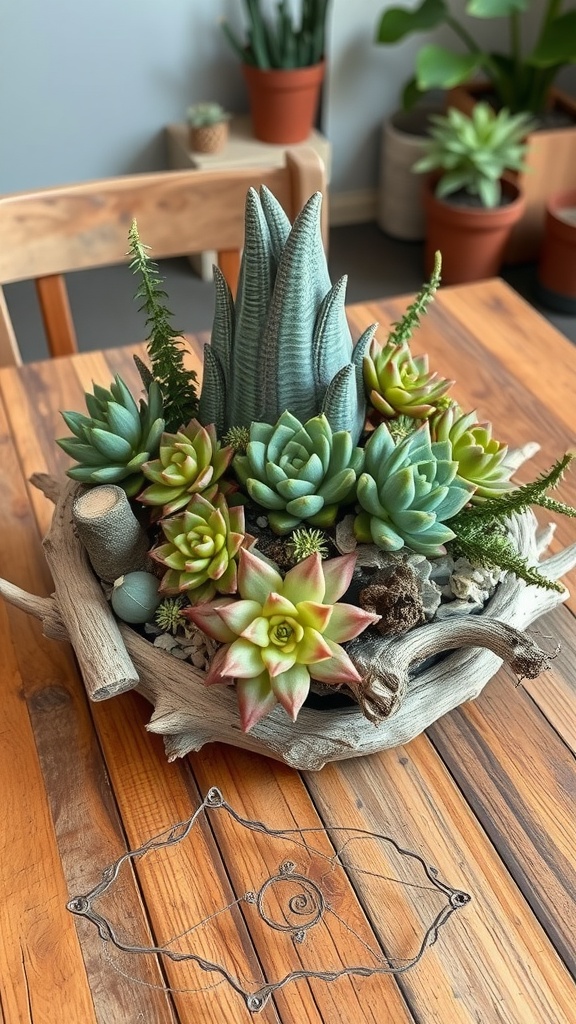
{"x": 550, "y": 163}
{"x": 401, "y": 192}
{"x": 208, "y": 138}
{"x": 472, "y": 239}
{"x": 283, "y": 103}
{"x": 557, "y": 269}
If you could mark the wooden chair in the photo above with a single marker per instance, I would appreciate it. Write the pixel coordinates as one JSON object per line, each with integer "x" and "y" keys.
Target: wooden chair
{"x": 45, "y": 234}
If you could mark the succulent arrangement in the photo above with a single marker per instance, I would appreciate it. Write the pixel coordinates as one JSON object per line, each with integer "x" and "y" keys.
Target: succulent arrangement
{"x": 472, "y": 153}
{"x": 312, "y": 494}
{"x": 280, "y": 42}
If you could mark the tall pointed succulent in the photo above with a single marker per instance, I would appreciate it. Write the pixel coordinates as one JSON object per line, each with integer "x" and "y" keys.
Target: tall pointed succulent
{"x": 285, "y": 342}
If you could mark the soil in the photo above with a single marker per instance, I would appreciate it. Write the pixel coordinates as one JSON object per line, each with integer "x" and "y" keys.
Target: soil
{"x": 463, "y": 198}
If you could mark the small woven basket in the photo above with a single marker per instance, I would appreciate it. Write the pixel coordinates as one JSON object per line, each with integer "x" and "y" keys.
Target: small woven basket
{"x": 208, "y": 138}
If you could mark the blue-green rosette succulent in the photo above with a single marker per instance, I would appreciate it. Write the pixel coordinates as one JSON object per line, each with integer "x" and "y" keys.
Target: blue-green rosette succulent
{"x": 112, "y": 444}
{"x": 408, "y": 491}
{"x": 299, "y": 471}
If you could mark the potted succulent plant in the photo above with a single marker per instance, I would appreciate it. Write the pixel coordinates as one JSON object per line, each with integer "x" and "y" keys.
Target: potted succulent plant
{"x": 283, "y": 65}
{"x": 557, "y": 265}
{"x": 208, "y": 127}
{"x": 518, "y": 80}
{"x": 470, "y": 205}
{"x": 284, "y": 535}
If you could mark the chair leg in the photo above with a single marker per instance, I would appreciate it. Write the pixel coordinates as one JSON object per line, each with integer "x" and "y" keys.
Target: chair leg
{"x": 229, "y": 263}
{"x": 56, "y": 315}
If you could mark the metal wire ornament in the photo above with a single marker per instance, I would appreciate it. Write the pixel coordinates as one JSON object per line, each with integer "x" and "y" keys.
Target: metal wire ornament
{"x": 288, "y": 901}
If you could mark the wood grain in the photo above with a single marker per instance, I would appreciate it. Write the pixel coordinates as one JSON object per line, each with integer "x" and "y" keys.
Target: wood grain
{"x": 518, "y": 776}
{"x": 493, "y": 961}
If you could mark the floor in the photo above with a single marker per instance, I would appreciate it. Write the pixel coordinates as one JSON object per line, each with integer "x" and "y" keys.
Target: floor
{"x": 106, "y": 316}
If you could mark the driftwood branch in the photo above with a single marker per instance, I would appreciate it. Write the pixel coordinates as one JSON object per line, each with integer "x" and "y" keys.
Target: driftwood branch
{"x": 114, "y": 657}
{"x": 93, "y": 631}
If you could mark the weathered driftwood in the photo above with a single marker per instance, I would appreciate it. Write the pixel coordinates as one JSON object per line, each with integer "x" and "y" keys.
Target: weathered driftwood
{"x": 189, "y": 714}
{"x": 115, "y": 541}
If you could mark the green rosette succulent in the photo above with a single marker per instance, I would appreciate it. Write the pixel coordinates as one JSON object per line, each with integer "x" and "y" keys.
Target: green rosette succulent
{"x": 480, "y": 458}
{"x": 190, "y": 462}
{"x": 299, "y": 471}
{"x": 400, "y": 384}
{"x": 201, "y": 549}
{"x": 112, "y": 444}
{"x": 408, "y": 491}
{"x": 282, "y": 632}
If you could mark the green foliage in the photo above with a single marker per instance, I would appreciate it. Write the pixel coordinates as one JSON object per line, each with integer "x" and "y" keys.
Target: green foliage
{"x": 474, "y": 152}
{"x": 169, "y": 615}
{"x": 280, "y": 42}
{"x": 201, "y": 114}
{"x": 238, "y": 439}
{"x": 480, "y": 530}
{"x": 521, "y": 80}
{"x": 305, "y": 542}
{"x": 112, "y": 444}
{"x": 285, "y": 342}
{"x": 403, "y": 330}
{"x": 177, "y": 384}
{"x": 407, "y": 492}
{"x": 299, "y": 471}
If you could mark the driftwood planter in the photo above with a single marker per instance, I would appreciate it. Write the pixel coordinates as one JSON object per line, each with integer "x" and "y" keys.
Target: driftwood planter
{"x": 114, "y": 658}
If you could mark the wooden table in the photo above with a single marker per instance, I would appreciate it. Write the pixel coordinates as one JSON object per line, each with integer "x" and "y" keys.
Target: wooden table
{"x": 487, "y": 795}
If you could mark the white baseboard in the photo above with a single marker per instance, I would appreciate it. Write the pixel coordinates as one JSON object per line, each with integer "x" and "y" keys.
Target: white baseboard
{"x": 353, "y": 207}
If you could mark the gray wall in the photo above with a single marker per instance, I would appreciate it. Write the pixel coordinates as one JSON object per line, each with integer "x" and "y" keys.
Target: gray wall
{"x": 86, "y": 88}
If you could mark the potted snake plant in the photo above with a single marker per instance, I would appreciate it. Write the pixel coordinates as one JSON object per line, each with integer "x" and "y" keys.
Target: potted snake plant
{"x": 283, "y": 66}
{"x": 471, "y": 205}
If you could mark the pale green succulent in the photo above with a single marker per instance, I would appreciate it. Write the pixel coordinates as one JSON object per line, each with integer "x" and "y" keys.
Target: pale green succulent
{"x": 112, "y": 444}
{"x": 201, "y": 549}
{"x": 190, "y": 462}
{"x": 299, "y": 471}
{"x": 400, "y": 384}
{"x": 284, "y": 343}
{"x": 408, "y": 491}
{"x": 480, "y": 457}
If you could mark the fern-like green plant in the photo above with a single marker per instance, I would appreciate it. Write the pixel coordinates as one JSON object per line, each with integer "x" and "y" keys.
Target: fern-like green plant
{"x": 165, "y": 344}
{"x": 284, "y": 344}
{"x": 481, "y": 529}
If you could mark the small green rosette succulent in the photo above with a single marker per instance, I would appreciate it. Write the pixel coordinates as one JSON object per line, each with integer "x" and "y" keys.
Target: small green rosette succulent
{"x": 480, "y": 458}
{"x": 299, "y": 471}
{"x": 400, "y": 384}
{"x": 408, "y": 491}
{"x": 190, "y": 462}
{"x": 112, "y": 444}
{"x": 282, "y": 632}
{"x": 201, "y": 549}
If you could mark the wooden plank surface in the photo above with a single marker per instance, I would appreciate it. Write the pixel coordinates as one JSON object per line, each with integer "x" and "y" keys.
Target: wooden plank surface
{"x": 489, "y": 798}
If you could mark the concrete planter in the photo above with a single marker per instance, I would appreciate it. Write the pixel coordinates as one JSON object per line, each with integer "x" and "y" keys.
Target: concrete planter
{"x": 401, "y": 192}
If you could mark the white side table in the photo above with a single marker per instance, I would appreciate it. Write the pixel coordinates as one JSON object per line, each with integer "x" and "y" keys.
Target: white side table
{"x": 241, "y": 150}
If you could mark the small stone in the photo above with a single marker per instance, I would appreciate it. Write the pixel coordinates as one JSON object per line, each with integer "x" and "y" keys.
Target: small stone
{"x": 455, "y": 608}
{"x": 262, "y": 522}
{"x": 431, "y": 596}
{"x": 178, "y": 652}
{"x": 165, "y": 642}
{"x": 441, "y": 569}
{"x": 199, "y": 659}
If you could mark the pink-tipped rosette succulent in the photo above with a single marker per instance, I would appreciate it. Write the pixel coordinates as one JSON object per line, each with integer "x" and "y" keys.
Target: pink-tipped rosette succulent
{"x": 190, "y": 462}
{"x": 282, "y": 632}
{"x": 201, "y": 549}
{"x": 400, "y": 384}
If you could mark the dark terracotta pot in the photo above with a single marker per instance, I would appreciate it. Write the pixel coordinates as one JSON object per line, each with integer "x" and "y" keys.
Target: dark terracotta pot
{"x": 471, "y": 239}
{"x": 557, "y": 268}
{"x": 283, "y": 103}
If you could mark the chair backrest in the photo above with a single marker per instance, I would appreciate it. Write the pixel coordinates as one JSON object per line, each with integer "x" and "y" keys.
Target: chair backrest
{"x": 46, "y": 234}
